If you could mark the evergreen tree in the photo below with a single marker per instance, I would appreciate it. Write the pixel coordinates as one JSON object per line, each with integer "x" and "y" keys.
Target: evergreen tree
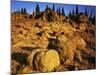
{"x": 71, "y": 16}
{"x": 86, "y": 13}
{"x": 38, "y": 14}
{"x": 77, "y": 9}
{"x": 76, "y": 16}
{"x": 63, "y": 12}
{"x": 90, "y": 16}
{"x": 73, "y": 12}
{"x": 59, "y": 11}
{"x": 94, "y": 20}
{"x": 37, "y": 9}
{"x": 53, "y": 8}
{"x": 22, "y": 10}
{"x": 47, "y": 7}
{"x": 18, "y": 10}
{"x": 70, "y": 13}
{"x": 33, "y": 12}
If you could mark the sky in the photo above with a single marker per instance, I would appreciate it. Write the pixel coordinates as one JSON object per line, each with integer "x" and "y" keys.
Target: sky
{"x": 30, "y": 6}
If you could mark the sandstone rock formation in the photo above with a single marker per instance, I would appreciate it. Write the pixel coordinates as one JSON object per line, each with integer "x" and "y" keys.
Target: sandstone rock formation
{"x": 51, "y": 42}
{"x": 44, "y": 60}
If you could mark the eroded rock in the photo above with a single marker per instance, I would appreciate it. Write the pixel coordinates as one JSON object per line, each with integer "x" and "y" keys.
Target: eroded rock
{"x": 44, "y": 61}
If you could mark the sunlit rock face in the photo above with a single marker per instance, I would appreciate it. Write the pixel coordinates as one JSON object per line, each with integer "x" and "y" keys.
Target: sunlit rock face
{"x": 44, "y": 60}
{"x": 49, "y": 42}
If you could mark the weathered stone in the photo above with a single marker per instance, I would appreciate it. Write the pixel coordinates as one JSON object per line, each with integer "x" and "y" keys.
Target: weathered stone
{"x": 81, "y": 44}
{"x": 77, "y": 42}
{"x": 26, "y": 70}
{"x": 70, "y": 46}
{"x": 44, "y": 60}
{"x": 31, "y": 56}
{"x": 49, "y": 61}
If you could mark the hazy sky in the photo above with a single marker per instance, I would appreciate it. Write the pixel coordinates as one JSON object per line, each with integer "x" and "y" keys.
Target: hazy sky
{"x": 30, "y": 6}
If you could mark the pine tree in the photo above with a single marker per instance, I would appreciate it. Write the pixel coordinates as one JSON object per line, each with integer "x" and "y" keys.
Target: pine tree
{"x": 59, "y": 11}
{"x": 37, "y": 9}
{"x": 18, "y": 11}
{"x": 71, "y": 16}
{"x": 94, "y": 20}
{"x": 86, "y": 13}
{"x": 77, "y": 9}
{"x": 90, "y": 16}
{"x": 22, "y": 11}
{"x": 47, "y": 7}
{"x": 73, "y": 12}
{"x": 76, "y": 16}
{"x": 63, "y": 12}
{"x": 70, "y": 13}
{"x": 53, "y": 8}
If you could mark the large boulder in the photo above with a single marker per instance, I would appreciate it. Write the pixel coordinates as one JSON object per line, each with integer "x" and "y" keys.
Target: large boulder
{"x": 44, "y": 61}
{"x": 74, "y": 46}
{"x": 71, "y": 47}
{"x": 77, "y": 42}
{"x": 31, "y": 56}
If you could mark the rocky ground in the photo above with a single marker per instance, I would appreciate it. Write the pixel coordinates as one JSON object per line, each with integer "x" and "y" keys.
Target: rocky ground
{"x": 57, "y": 44}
